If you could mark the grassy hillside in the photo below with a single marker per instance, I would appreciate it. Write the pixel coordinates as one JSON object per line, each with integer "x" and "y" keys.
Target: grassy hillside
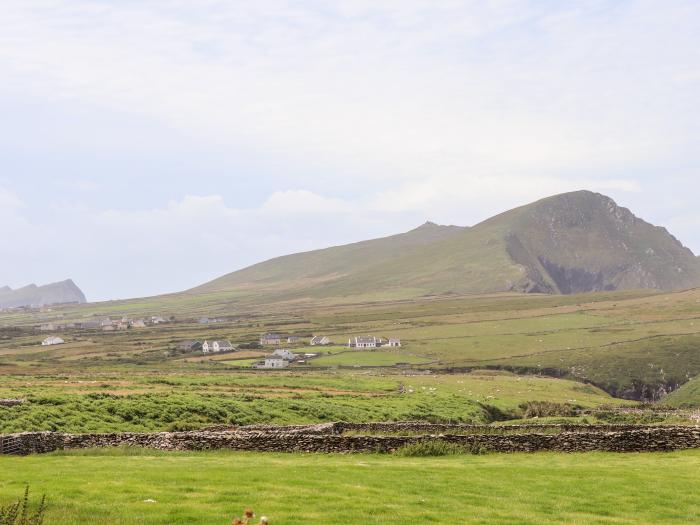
{"x": 634, "y": 344}
{"x": 570, "y": 243}
{"x": 686, "y": 396}
{"x": 131, "y": 487}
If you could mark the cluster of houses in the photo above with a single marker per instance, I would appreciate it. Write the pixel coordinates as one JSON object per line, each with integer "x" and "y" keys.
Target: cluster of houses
{"x": 370, "y": 341}
{"x": 272, "y": 339}
{"x": 207, "y": 346}
{"x": 107, "y": 325}
{"x": 110, "y": 325}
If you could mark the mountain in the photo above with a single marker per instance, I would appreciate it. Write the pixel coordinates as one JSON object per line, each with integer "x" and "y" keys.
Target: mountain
{"x": 33, "y": 295}
{"x": 569, "y": 243}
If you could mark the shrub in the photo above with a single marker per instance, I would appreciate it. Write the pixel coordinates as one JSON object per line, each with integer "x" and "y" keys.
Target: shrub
{"x": 437, "y": 447}
{"x": 19, "y": 514}
{"x": 548, "y": 409}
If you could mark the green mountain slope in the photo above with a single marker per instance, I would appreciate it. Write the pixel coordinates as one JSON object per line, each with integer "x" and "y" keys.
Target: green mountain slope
{"x": 570, "y": 243}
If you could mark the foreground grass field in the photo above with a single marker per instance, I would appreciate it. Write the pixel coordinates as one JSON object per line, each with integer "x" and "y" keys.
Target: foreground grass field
{"x": 130, "y": 487}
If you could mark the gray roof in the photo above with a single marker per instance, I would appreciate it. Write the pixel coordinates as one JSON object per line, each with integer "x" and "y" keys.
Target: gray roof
{"x": 365, "y": 340}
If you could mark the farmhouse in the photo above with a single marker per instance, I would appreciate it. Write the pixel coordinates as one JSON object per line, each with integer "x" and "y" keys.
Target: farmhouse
{"x": 156, "y": 319}
{"x": 272, "y": 362}
{"x": 319, "y": 340}
{"x": 217, "y": 346}
{"x": 53, "y": 340}
{"x": 139, "y": 323}
{"x": 363, "y": 342}
{"x": 284, "y": 353}
{"x": 293, "y": 339}
{"x": 192, "y": 346}
{"x": 394, "y": 341}
{"x": 271, "y": 339}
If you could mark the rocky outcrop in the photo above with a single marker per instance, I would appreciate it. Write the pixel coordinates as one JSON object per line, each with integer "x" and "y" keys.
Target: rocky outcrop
{"x": 35, "y": 296}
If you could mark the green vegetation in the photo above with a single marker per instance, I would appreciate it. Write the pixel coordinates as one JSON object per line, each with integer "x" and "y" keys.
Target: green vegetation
{"x": 181, "y": 402}
{"x": 436, "y": 448}
{"x": 368, "y": 358}
{"x": 686, "y": 396}
{"x": 157, "y": 488}
{"x": 633, "y": 344}
{"x": 20, "y": 512}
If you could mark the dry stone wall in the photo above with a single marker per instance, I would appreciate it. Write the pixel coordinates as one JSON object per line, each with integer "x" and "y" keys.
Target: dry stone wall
{"x": 328, "y": 439}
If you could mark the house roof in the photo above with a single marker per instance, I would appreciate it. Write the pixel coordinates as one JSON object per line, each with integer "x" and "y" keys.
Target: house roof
{"x": 365, "y": 340}
{"x": 394, "y": 340}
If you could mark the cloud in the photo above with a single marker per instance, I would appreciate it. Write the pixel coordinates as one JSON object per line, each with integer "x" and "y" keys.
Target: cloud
{"x": 189, "y": 140}
{"x": 9, "y": 200}
{"x": 387, "y": 90}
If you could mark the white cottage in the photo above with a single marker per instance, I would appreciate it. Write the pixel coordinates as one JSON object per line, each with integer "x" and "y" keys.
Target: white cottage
{"x": 363, "y": 342}
{"x": 217, "y": 346}
{"x": 53, "y": 340}
{"x": 275, "y": 361}
{"x": 284, "y": 353}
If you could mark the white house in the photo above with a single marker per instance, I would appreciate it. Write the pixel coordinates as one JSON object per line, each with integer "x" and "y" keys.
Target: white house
{"x": 138, "y": 323}
{"x": 53, "y": 340}
{"x": 284, "y": 353}
{"x": 319, "y": 340}
{"x": 363, "y": 342}
{"x": 274, "y": 361}
{"x": 394, "y": 341}
{"x": 217, "y": 346}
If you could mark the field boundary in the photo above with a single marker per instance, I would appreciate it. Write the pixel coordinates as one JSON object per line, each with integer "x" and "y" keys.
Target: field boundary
{"x": 376, "y": 437}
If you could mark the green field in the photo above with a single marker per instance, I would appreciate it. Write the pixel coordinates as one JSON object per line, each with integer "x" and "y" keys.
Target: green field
{"x": 109, "y": 403}
{"x": 115, "y": 486}
{"x": 368, "y": 358}
{"x": 633, "y": 344}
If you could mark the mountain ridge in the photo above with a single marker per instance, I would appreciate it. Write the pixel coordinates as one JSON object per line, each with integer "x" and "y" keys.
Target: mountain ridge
{"x": 569, "y": 243}
{"x": 35, "y": 296}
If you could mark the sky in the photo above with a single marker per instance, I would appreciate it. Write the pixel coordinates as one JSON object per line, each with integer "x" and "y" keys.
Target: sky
{"x": 148, "y": 147}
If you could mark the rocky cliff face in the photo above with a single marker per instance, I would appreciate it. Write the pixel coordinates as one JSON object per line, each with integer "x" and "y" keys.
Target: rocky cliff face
{"x": 33, "y": 295}
{"x": 583, "y": 242}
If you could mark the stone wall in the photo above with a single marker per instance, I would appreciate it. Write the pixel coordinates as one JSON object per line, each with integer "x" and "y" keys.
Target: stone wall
{"x": 619, "y": 439}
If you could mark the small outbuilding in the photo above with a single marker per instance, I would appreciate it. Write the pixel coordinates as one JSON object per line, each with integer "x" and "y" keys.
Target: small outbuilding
{"x": 53, "y": 340}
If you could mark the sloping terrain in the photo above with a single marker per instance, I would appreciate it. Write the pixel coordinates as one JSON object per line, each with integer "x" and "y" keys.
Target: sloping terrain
{"x": 33, "y": 295}
{"x": 571, "y": 243}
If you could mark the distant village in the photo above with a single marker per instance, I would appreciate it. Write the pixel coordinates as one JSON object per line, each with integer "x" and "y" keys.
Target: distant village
{"x": 279, "y": 358}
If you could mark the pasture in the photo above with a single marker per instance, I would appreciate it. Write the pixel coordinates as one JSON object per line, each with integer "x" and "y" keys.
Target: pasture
{"x": 142, "y": 487}
{"x": 120, "y": 402}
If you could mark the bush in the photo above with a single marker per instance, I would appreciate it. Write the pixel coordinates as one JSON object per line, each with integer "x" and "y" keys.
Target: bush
{"x": 437, "y": 447}
{"x": 548, "y": 409}
{"x": 18, "y": 513}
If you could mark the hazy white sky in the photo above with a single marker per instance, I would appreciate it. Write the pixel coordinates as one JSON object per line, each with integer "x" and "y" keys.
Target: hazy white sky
{"x": 147, "y": 147}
